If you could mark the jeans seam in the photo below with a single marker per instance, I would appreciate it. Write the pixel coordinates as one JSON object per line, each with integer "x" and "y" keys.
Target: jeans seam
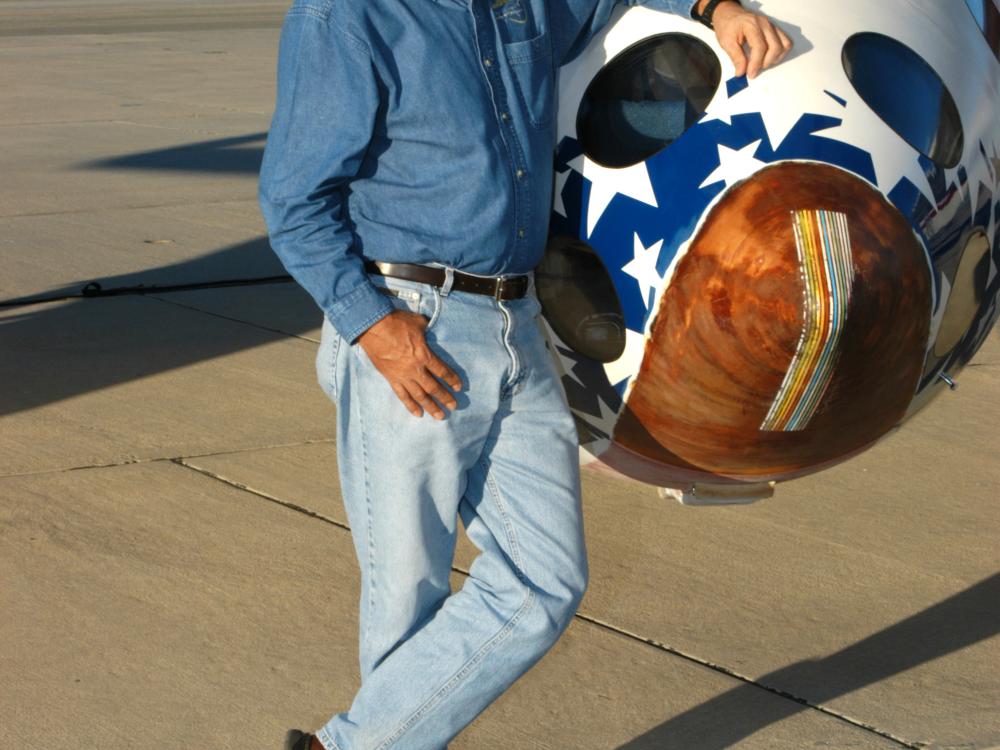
{"x": 368, "y": 513}
{"x": 462, "y": 671}
{"x": 321, "y": 734}
{"x": 504, "y": 629}
{"x": 515, "y": 549}
{"x": 335, "y": 346}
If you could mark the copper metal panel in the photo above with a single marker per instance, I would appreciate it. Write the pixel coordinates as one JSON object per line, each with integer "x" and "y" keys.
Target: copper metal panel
{"x": 730, "y": 323}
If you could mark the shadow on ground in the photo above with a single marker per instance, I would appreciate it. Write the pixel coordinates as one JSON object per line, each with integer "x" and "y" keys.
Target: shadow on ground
{"x": 62, "y": 350}
{"x": 235, "y": 155}
{"x": 956, "y": 623}
{"x": 56, "y": 351}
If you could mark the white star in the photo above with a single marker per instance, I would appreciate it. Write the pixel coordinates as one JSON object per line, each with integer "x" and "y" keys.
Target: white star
{"x": 642, "y": 267}
{"x": 892, "y": 157}
{"x": 605, "y": 421}
{"x": 768, "y": 96}
{"x": 606, "y": 183}
{"x": 951, "y": 176}
{"x": 627, "y": 365}
{"x": 979, "y": 173}
{"x": 735, "y": 165}
{"x": 557, "y": 200}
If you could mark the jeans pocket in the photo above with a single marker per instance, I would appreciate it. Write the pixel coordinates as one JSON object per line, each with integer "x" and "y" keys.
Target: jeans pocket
{"x": 414, "y": 296}
{"x": 534, "y": 78}
{"x": 326, "y": 359}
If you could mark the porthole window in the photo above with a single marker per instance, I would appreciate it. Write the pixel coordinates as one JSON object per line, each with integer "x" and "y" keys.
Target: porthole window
{"x": 967, "y": 292}
{"x": 907, "y": 94}
{"x": 987, "y": 16}
{"x": 579, "y": 299}
{"x": 646, "y": 97}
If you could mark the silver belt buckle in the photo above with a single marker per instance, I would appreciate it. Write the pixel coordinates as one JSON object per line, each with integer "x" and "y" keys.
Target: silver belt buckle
{"x": 499, "y": 289}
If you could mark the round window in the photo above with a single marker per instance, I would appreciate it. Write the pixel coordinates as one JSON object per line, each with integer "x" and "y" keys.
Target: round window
{"x": 646, "y": 97}
{"x": 987, "y": 16}
{"x": 579, "y": 300}
{"x": 967, "y": 291}
{"x": 907, "y": 94}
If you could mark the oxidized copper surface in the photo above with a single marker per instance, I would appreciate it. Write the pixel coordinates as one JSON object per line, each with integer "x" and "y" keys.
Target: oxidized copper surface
{"x": 730, "y": 321}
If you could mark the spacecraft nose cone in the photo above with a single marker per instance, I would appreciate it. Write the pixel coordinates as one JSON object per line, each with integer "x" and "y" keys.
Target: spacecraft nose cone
{"x": 791, "y": 335}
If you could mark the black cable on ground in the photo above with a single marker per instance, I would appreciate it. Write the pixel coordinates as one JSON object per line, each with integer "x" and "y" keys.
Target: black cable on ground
{"x": 94, "y": 289}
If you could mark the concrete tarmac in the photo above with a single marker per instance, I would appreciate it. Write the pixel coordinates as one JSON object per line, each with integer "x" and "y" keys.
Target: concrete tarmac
{"x": 176, "y": 569}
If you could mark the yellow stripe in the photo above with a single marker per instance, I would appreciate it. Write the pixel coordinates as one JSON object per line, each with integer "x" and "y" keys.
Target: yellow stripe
{"x": 827, "y": 276}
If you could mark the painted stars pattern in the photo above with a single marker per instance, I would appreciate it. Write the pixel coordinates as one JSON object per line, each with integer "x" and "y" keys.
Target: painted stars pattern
{"x": 735, "y": 165}
{"x": 607, "y": 182}
{"x": 560, "y": 184}
{"x": 642, "y": 267}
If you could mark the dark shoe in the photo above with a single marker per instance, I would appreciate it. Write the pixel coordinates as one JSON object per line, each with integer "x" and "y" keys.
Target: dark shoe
{"x": 296, "y": 739}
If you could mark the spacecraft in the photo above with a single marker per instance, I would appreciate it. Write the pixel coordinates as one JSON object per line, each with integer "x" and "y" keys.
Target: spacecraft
{"x": 750, "y": 281}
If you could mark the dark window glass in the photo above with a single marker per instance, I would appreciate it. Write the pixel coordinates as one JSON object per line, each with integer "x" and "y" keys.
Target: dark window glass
{"x": 579, "y": 299}
{"x": 907, "y": 94}
{"x": 987, "y": 15}
{"x": 645, "y": 98}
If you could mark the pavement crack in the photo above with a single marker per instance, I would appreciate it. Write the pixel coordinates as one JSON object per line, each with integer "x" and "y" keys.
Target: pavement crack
{"x": 733, "y": 674}
{"x": 234, "y": 320}
{"x": 597, "y": 622}
{"x": 261, "y": 494}
{"x": 136, "y": 207}
{"x": 129, "y": 460}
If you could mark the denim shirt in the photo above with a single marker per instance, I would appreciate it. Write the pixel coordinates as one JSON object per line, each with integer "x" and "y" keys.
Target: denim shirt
{"x": 417, "y": 131}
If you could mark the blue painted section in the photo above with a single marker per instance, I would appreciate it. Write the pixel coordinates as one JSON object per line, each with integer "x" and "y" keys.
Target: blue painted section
{"x": 736, "y": 85}
{"x": 842, "y": 102}
{"x": 676, "y": 174}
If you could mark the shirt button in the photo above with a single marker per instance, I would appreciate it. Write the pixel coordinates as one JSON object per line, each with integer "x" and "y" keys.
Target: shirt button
{"x": 503, "y": 115}
{"x": 520, "y": 173}
{"x": 487, "y": 62}
{"x": 520, "y": 232}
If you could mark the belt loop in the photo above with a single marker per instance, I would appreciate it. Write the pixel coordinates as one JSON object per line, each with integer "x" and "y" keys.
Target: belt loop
{"x": 449, "y": 279}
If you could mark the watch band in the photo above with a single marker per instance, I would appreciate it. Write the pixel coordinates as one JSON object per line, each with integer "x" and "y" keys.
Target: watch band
{"x": 705, "y": 16}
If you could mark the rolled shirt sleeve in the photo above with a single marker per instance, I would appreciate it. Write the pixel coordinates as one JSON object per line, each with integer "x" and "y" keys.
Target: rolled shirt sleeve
{"x": 576, "y": 22}
{"x": 325, "y": 106}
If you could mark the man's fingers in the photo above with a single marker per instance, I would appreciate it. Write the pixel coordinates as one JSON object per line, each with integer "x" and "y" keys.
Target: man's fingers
{"x": 441, "y": 370}
{"x": 786, "y": 41}
{"x": 417, "y": 392}
{"x": 758, "y": 48}
{"x": 411, "y": 405}
{"x": 433, "y": 387}
{"x": 774, "y": 47}
{"x": 735, "y": 51}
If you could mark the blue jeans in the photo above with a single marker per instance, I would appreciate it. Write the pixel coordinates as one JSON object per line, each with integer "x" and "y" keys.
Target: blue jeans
{"x": 506, "y": 460}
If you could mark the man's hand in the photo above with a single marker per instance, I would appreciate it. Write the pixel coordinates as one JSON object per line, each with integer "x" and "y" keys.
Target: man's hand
{"x": 736, "y": 26}
{"x": 397, "y": 347}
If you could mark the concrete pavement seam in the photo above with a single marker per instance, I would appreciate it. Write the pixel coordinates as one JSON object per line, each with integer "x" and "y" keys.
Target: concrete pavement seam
{"x": 179, "y": 204}
{"x": 259, "y": 493}
{"x": 136, "y": 460}
{"x": 234, "y": 320}
{"x": 857, "y": 723}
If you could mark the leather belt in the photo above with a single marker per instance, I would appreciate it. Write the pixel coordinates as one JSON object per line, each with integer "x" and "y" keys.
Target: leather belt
{"x": 498, "y": 287}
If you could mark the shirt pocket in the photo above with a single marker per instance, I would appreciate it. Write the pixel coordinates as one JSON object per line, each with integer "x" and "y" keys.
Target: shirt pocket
{"x": 530, "y": 62}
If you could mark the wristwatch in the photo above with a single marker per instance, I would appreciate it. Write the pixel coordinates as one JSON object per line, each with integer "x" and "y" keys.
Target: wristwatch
{"x": 706, "y": 15}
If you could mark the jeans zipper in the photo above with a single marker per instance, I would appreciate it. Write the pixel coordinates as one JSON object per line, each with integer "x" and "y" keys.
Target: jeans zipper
{"x": 515, "y": 374}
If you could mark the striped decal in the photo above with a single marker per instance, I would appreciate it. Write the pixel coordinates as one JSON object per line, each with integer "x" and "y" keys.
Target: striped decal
{"x": 824, "y": 246}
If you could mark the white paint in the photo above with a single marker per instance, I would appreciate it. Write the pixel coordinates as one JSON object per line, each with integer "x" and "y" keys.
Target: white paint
{"x": 735, "y": 165}
{"x": 642, "y": 267}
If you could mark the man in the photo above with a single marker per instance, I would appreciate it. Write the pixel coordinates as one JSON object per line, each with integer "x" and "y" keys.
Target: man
{"x": 406, "y": 185}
